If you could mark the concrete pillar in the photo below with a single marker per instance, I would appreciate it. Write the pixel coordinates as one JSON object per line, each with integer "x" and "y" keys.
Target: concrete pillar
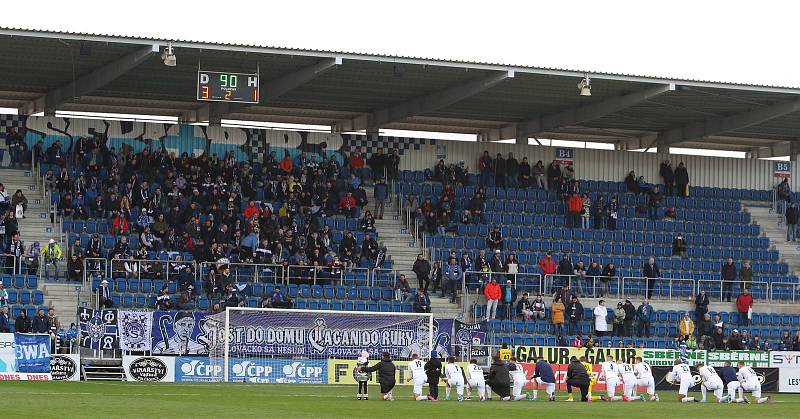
{"x": 521, "y": 137}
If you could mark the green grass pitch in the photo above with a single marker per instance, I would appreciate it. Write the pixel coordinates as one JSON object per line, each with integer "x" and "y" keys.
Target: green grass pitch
{"x": 207, "y": 400}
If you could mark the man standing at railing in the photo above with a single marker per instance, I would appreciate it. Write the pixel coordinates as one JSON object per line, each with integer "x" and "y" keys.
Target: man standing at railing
{"x": 728, "y": 275}
{"x": 492, "y": 293}
{"x": 452, "y": 275}
{"x": 422, "y": 268}
{"x": 644, "y": 314}
{"x": 651, "y": 272}
{"x": 744, "y": 305}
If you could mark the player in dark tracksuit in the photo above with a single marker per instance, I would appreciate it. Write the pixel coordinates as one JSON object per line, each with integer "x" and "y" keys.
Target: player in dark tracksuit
{"x": 433, "y": 369}
{"x": 728, "y": 374}
{"x": 499, "y": 380}
{"x": 386, "y": 375}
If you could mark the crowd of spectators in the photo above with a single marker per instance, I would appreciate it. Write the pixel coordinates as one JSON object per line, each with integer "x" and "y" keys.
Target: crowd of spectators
{"x": 216, "y": 208}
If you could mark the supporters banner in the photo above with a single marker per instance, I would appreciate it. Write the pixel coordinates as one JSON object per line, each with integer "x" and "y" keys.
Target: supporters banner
{"x": 752, "y": 358}
{"x": 789, "y": 380}
{"x": 33, "y": 352}
{"x": 273, "y": 370}
{"x": 470, "y": 336}
{"x": 562, "y": 354}
{"x": 98, "y": 328}
{"x": 180, "y": 333}
{"x": 197, "y": 369}
{"x": 8, "y": 356}
{"x": 65, "y": 367}
{"x": 667, "y": 357}
{"x": 149, "y": 368}
{"x": 134, "y": 330}
{"x": 340, "y": 371}
{"x": 784, "y": 359}
{"x": 333, "y": 334}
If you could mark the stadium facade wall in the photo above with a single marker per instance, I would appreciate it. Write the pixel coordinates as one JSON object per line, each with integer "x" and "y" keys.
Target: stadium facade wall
{"x": 417, "y": 154}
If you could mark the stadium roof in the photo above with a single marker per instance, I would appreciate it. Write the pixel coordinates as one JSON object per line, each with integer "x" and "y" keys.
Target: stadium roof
{"x": 46, "y": 71}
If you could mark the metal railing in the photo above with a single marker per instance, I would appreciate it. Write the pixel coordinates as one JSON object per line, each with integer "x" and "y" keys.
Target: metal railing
{"x": 677, "y": 288}
{"x": 247, "y": 272}
{"x": 783, "y": 292}
{"x": 719, "y": 291}
{"x": 584, "y": 285}
{"x": 306, "y": 274}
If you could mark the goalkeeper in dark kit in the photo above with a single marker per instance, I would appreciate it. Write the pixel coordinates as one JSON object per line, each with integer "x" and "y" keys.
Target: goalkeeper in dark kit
{"x": 361, "y": 377}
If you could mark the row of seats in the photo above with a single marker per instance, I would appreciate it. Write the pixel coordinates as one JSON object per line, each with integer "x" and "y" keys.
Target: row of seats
{"x": 25, "y": 296}
{"x": 418, "y": 176}
{"x": 619, "y": 236}
{"x": 19, "y": 281}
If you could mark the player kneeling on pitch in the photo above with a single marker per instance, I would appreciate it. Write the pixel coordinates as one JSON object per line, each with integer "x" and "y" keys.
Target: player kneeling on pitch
{"x": 644, "y": 378}
{"x": 455, "y": 378}
{"x": 498, "y": 378}
{"x": 386, "y": 371}
{"x": 519, "y": 380}
{"x": 476, "y": 380}
{"x": 682, "y": 374}
{"x": 711, "y": 381}
{"x": 749, "y": 381}
{"x": 543, "y": 375}
{"x": 730, "y": 378}
{"x": 609, "y": 372}
{"x": 416, "y": 373}
{"x": 628, "y": 375}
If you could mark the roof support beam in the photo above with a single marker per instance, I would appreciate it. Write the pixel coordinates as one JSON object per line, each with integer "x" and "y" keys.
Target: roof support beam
{"x": 716, "y": 126}
{"x": 576, "y": 116}
{"x": 783, "y": 148}
{"x": 90, "y": 82}
{"x": 272, "y": 90}
{"x": 422, "y": 105}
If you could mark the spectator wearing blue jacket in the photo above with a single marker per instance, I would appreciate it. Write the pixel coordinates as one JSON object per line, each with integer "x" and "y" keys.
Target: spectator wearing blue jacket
{"x": 644, "y": 315}
{"x": 381, "y": 193}
{"x": 452, "y": 275}
{"x": 507, "y": 298}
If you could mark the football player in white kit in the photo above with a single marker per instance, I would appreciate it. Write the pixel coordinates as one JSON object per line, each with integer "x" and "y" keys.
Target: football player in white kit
{"x": 749, "y": 380}
{"x": 476, "y": 380}
{"x": 518, "y": 378}
{"x": 710, "y": 380}
{"x": 682, "y": 374}
{"x": 416, "y": 373}
{"x": 454, "y": 376}
{"x": 644, "y": 378}
{"x": 628, "y": 375}
{"x": 609, "y": 373}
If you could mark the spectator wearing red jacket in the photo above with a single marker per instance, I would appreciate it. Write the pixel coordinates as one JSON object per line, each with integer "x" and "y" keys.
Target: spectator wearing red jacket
{"x": 120, "y": 225}
{"x": 251, "y": 211}
{"x": 743, "y": 304}
{"x": 286, "y": 164}
{"x": 357, "y": 165}
{"x": 547, "y": 264}
{"x": 574, "y": 207}
{"x": 348, "y": 205}
{"x": 493, "y": 294}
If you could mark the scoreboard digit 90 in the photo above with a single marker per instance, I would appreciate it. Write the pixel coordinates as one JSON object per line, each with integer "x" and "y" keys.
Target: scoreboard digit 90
{"x": 216, "y": 86}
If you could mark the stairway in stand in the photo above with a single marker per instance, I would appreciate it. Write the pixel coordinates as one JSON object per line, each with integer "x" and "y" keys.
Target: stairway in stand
{"x": 772, "y": 226}
{"x": 401, "y": 249}
{"x": 36, "y": 227}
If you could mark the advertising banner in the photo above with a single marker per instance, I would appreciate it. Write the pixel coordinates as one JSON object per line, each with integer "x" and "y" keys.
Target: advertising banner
{"x": 340, "y": 371}
{"x": 134, "y": 330}
{"x": 667, "y": 357}
{"x": 752, "y": 358}
{"x": 271, "y": 370}
{"x": 333, "y": 335}
{"x": 23, "y": 376}
{"x": 789, "y": 380}
{"x": 197, "y": 369}
{"x": 33, "y": 352}
{"x": 65, "y": 367}
{"x": 180, "y": 333}
{"x": 767, "y": 376}
{"x": 784, "y": 359}
{"x": 562, "y": 354}
{"x": 98, "y": 328}
{"x": 8, "y": 355}
{"x": 149, "y": 368}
